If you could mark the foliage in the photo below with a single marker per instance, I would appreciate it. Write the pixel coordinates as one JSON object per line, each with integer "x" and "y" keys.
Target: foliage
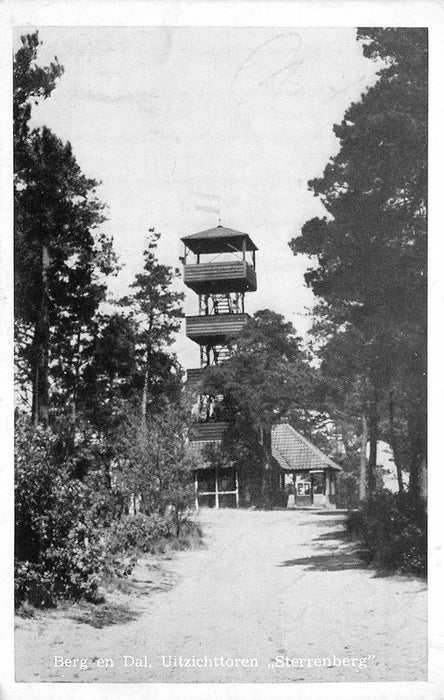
{"x": 156, "y": 310}
{"x": 72, "y": 533}
{"x": 60, "y": 549}
{"x": 139, "y": 533}
{"x": 110, "y": 379}
{"x": 31, "y": 84}
{"x": 393, "y": 531}
{"x": 125, "y": 365}
{"x": 154, "y": 462}
{"x": 280, "y": 498}
{"x": 267, "y": 374}
{"x": 151, "y": 534}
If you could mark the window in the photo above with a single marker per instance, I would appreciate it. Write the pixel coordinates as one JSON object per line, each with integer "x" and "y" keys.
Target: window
{"x": 318, "y": 483}
{"x": 304, "y": 488}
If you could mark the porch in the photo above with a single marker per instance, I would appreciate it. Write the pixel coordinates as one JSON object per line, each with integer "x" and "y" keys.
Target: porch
{"x": 308, "y": 475}
{"x": 310, "y": 489}
{"x": 216, "y": 488}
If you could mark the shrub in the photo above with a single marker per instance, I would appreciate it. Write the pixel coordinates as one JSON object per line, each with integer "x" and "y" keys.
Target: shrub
{"x": 33, "y": 584}
{"x": 393, "y": 531}
{"x": 139, "y": 533}
{"x": 280, "y": 498}
{"x": 190, "y": 535}
{"x": 155, "y": 463}
{"x": 60, "y": 547}
{"x": 347, "y": 490}
{"x": 68, "y": 537}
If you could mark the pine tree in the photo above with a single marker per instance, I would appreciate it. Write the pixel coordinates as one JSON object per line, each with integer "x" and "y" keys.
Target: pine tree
{"x": 157, "y": 311}
{"x": 59, "y": 257}
{"x": 370, "y": 248}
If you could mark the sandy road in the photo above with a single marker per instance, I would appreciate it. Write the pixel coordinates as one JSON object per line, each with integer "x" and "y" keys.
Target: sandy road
{"x": 268, "y": 586}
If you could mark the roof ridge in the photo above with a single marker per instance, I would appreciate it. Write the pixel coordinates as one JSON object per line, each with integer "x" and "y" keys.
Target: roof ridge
{"x": 220, "y": 229}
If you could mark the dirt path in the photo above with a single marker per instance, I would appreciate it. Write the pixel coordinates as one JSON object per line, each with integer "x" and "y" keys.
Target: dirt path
{"x": 267, "y": 586}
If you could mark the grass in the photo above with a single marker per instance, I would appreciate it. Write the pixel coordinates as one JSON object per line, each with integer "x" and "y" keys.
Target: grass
{"x": 103, "y": 614}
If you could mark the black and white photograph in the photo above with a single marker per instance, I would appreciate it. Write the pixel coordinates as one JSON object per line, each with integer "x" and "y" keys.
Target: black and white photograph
{"x": 220, "y": 294}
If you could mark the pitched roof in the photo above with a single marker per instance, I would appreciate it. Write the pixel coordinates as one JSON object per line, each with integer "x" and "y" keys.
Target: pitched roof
{"x": 293, "y": 451}
{"x": 218, "y": 240}
{"x": 196, "y": 448}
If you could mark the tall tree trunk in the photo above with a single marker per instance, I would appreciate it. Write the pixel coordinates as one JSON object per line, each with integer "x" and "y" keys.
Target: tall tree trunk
{"x": 73, "y": 397}
{"x": 418, "y": 457}
{"x": 363, "y": 455}
{"x": 394, "y": 442}
{"x": 373, "y": 438}
{"x": 146, "y": 385}
{"x": 76, "y": 381}
{"x": 40, "y": 350}
{"x": 267, "y": 470}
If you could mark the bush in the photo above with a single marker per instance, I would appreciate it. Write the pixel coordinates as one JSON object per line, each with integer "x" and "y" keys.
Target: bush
{"x": 139, "y": 533}
{"x": 60, "y": 545}
{"x": 33, "y": 584}
{"x": 280, "y": 498}
{"x": 136, "y": 534}
{"x": 393, "y": 531}
{"x": 67, "y": 536}
{"x": 347, "y": 491}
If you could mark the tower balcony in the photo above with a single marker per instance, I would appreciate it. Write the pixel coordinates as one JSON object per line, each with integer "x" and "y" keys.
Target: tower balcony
{"x": 208, "y": 432}
{"x": 215, "y": 329}
{"x": 220, "y": 277}
{"x": 195, "y": 376}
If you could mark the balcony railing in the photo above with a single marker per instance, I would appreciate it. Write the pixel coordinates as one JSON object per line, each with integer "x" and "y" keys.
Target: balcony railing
{"x": 214, "y": 329}
{"x": 220, "y": 277}
{"x": 195, "y": 376}
{"x": 208, "y": 432}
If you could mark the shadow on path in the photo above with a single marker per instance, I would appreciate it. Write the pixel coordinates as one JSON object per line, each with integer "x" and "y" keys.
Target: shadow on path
{"x": 342, "y": 556}
{"x": 335, "y": 535}
{"x": 322, "y": 523}
{"x": 337, "y": 560}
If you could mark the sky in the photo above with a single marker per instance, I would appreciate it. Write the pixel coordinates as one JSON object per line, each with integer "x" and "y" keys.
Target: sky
{"x": 164, "y": 115}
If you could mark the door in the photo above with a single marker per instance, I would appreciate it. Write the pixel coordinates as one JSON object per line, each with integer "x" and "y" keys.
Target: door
{"x": 318, "y": 487}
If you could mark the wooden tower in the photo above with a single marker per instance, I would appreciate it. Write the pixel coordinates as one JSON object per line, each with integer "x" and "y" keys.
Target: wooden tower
{"x": 220, "y": 267}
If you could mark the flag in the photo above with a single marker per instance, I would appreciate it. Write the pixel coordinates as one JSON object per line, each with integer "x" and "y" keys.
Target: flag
{"x": 205, "y": 207}
{"x": 212, "y": 204}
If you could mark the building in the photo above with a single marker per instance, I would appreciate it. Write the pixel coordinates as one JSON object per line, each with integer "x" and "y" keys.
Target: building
{"x": 309, "y": 476}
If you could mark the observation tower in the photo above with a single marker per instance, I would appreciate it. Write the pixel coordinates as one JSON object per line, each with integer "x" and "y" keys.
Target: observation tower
{"x": 220, "y": 267}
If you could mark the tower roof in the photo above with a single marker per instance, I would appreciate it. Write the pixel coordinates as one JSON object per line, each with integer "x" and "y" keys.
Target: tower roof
{"x": 218, "y": 240}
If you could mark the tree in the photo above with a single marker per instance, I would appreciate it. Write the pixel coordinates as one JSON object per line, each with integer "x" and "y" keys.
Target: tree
{"x": 110, "y": 378}
{"x": 58, "y": 257}
{"x": 267, "y": 375}
{"x": 156, "y": 310}
{"x": 31, "y": 84}
{"x": 154, "y": 462}
{"x": 371, "y": 246}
